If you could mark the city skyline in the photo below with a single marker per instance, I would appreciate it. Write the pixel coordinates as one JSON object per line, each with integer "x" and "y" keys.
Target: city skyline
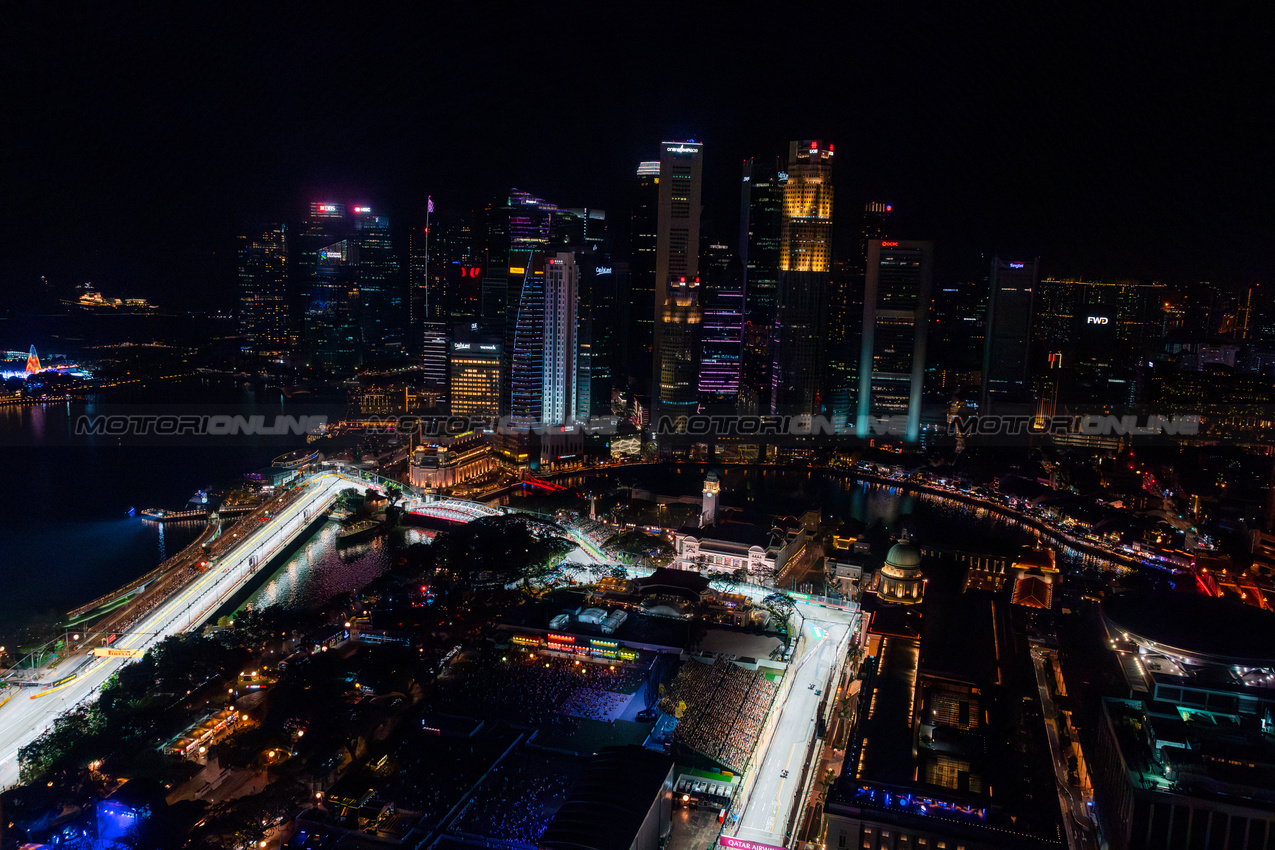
{"x": 639, "y": 426}
{"x": 1093, "y": 137}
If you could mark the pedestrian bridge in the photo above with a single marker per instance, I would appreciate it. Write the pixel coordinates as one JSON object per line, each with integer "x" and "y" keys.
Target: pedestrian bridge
{"x": 454, "y": 510}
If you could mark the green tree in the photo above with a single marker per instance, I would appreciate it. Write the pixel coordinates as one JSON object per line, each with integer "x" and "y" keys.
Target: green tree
{"x": 501, "y": 548}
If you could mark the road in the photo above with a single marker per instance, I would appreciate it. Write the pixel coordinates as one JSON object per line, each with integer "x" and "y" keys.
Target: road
{"x": 30, "y": 711}
{"x": 770, "y": 801}
{"x": 764, "y": 817}
{"x": 1076, "y": 821}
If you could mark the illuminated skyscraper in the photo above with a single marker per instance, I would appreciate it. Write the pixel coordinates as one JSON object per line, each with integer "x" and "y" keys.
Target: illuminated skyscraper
{"x": 896, "y": 305}
{"x": 546, "y": 374}
{"x": 761, "y": 223}
{"x": 332, "y": 313}
{"x": 323, "y": 225}
{"x": 639, "y": 309}
{"x": 839, "y": 386}
{"x": 348, "y": 272}
{"x": 722, "y": 342}
{"x": 607, "y": 295}
{"x": 805, "y": 265}
{"x": 560, "y": 383}
{"x": 761, "y": 234}
{"x": 526, "y": 400}
{"x": 514, "y": 225}
{"x": 678, "y": 311}
{"x": 1103, "y": 331}
{"x": 381, "y": 314}
{"x": 263, "y": 290}
{"x": 1007, "y": 341}
{"x": 475, "y": 367}
{"x": 435, "y": 343}
{"x": 596, "y": 322}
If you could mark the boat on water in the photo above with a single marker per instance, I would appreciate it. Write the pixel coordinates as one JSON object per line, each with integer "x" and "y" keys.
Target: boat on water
{"x": 360, "y": 531}
{"x": 161, "y": 515}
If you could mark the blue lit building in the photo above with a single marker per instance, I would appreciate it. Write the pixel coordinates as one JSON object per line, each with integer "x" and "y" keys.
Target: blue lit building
{"x": 381, "y": 314}
{"x": 352, "y": 287}
{"x": 526, "y": 402}
{"x": 560, "y": 384}
{"x": 550, "y": 384}
{"x": 332, "y": 310}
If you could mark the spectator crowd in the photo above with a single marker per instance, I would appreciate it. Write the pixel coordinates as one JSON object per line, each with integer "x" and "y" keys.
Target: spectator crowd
{"x": 518, "y": 798}
{"x": 527, "y": 688}
{"x": 725, "y": 706}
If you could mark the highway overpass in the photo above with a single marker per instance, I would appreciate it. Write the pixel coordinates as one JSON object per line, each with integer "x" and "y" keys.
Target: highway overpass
{"x": 29, "y": 711}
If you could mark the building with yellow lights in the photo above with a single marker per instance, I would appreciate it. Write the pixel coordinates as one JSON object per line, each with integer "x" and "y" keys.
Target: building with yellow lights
{"x": 805, "y": 267}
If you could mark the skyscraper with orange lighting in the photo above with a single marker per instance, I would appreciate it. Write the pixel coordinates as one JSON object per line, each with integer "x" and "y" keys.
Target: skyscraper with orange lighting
{"x": 805, "y": 266}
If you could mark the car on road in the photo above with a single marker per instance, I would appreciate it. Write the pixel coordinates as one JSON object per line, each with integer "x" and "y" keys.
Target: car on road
{"x": 783, "y": 774}
{"x": 810, "y": 687}
{"x": 646, "y": 715}
{"x": 818, "y": 691}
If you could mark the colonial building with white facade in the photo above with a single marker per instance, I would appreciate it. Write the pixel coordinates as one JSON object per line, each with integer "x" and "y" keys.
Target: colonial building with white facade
{"x": 731, "y": 546}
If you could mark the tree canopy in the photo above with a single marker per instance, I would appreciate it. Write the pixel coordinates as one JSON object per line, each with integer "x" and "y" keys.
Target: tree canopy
{"x": 504, "y": 548}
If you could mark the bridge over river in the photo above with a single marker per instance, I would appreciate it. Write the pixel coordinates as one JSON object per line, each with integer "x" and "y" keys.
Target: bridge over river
{"x": 175, "y": 597}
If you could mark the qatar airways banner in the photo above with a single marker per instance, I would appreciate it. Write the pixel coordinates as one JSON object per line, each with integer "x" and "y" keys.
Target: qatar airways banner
{"x": 741, "y": 844}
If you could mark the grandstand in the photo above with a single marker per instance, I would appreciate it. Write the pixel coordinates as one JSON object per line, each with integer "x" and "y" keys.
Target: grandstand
{"x": 595, "y": 532}
{"x": 724, "y": 707}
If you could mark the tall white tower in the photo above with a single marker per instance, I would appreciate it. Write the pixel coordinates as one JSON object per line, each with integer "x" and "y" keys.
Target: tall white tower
{"x": 558, "y": 373}
{"x": 712, "y": 487}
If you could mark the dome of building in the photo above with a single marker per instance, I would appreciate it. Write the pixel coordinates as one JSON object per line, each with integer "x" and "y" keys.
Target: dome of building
{"x": 903, "y": 555}
{"x": 901, "y": 580}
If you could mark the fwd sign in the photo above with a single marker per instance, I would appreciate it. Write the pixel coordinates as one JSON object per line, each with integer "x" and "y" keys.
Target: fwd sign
{"x": 1097, "y": 320}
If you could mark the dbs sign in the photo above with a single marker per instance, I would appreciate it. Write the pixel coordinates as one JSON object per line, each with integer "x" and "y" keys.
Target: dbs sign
{"x": 471, "y": 271}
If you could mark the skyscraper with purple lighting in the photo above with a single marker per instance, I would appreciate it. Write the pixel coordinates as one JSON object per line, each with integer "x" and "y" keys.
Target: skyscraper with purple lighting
{"x": 722, "y": 342}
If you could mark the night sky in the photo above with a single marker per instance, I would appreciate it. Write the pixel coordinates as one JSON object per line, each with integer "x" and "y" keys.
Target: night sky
{"x": 138, "y": 139}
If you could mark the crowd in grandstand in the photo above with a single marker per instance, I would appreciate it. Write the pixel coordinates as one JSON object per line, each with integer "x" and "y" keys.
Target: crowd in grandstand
{"x": 725, "y": 705}
{"x": 517, "y": 800}
{"x": 529, "y": 688}
{"x": 593, "y": 704}
{"x": 596, "y": 532}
